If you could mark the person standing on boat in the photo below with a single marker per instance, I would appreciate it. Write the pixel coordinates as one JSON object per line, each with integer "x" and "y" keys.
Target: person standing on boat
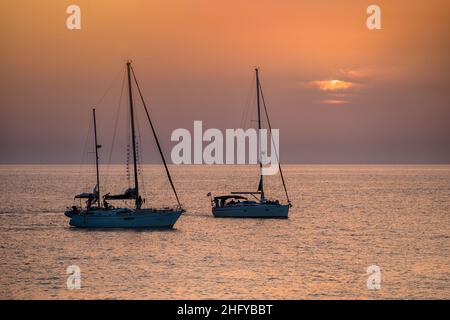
{"x": 139, "y": 202}
{"x": 89, "y": 201}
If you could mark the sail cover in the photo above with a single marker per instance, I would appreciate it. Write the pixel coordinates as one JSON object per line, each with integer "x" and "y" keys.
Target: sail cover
{"x": 88, "y": 195}
{"x": 130, "y": 193}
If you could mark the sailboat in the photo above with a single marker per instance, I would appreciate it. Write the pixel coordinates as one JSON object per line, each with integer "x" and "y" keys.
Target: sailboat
{"x": 97, "y": 215}
{"x": 237, "y": 204}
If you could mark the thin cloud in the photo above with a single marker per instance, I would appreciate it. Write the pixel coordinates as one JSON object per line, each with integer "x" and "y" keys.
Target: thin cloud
{"x": 357, "y": 74}
{"x": 334, "y": 101}
{"x": 332, "y": 85}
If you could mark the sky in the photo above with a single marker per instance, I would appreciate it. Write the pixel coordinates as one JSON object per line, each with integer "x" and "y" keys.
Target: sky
{"x": 338, "y": 92}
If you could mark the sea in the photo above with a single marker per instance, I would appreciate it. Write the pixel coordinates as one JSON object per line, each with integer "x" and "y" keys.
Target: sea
{"x": 354, "y": 232}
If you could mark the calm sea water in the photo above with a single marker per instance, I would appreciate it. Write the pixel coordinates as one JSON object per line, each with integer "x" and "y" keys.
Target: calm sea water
{"x": 344, "y": 219}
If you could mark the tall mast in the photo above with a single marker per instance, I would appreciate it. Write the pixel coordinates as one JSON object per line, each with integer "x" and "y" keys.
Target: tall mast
{"x": 97, "y": 146}
{"x": 133, "y": 136}
{"x": 261, "y": 182}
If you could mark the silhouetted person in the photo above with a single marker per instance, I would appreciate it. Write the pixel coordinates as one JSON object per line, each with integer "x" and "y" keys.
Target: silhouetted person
{"x": 89, "y": 201}
{"x": 139, "y": 202}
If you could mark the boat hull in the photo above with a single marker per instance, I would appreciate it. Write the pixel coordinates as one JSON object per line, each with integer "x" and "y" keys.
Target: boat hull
{"x": 143, "y": 218}
{"x": 253, "y": 211}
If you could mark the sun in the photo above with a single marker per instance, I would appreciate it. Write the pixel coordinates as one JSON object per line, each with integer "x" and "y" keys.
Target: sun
{"x": 333, "y": 85}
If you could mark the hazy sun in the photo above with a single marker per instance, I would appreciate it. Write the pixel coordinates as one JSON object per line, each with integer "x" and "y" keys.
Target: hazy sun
{"x": 330, "y": 85}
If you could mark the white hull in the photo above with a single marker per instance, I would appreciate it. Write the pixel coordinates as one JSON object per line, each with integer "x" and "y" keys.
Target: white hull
{"x": 259, "y": 210}
{"x": 126, "y": 218}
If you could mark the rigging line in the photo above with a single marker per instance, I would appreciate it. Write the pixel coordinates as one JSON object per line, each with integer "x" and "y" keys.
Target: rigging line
{"x": 109, "y": 87}
{"x": 248, "y": 103}
{"x": 87, "y": 151}
{"x": 276, "y": 153}
{"x": 156, "y": 138}
{"x": 115, "y": 126}
{"x": 128, "y": 148}
{"x": 139, "y": 153}
{"x": 250, "y": 111}
{"x": 84, "y": 155}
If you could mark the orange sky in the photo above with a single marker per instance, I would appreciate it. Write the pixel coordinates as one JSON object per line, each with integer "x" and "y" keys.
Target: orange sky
{"x": 195, "y": 61}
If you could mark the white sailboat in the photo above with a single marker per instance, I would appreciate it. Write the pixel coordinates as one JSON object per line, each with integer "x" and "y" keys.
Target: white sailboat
{"x": 95, "y": 215}
{"x": 237, "y": 204}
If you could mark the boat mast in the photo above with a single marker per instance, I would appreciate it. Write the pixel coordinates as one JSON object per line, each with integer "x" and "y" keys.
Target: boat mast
{"x": 97, "y": 146}
{"x": 133, "y": 136}
{"x": 261, "y": 182}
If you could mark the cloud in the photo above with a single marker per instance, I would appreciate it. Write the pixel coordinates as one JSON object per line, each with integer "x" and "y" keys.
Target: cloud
{"x": 357, "y": 74}
{"x": 332, "y": 85}
{"x": 338, "y": 86}
{"x": 366, "y": 76}
{"x": 334, "y": 101}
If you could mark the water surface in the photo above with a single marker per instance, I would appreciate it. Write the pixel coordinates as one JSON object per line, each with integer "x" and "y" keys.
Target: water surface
{"x": 344, "y": 219}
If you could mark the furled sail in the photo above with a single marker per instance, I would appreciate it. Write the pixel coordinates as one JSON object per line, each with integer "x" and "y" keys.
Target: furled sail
{"x": 88, "y": 195}
{"x": 130, "y": 193}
